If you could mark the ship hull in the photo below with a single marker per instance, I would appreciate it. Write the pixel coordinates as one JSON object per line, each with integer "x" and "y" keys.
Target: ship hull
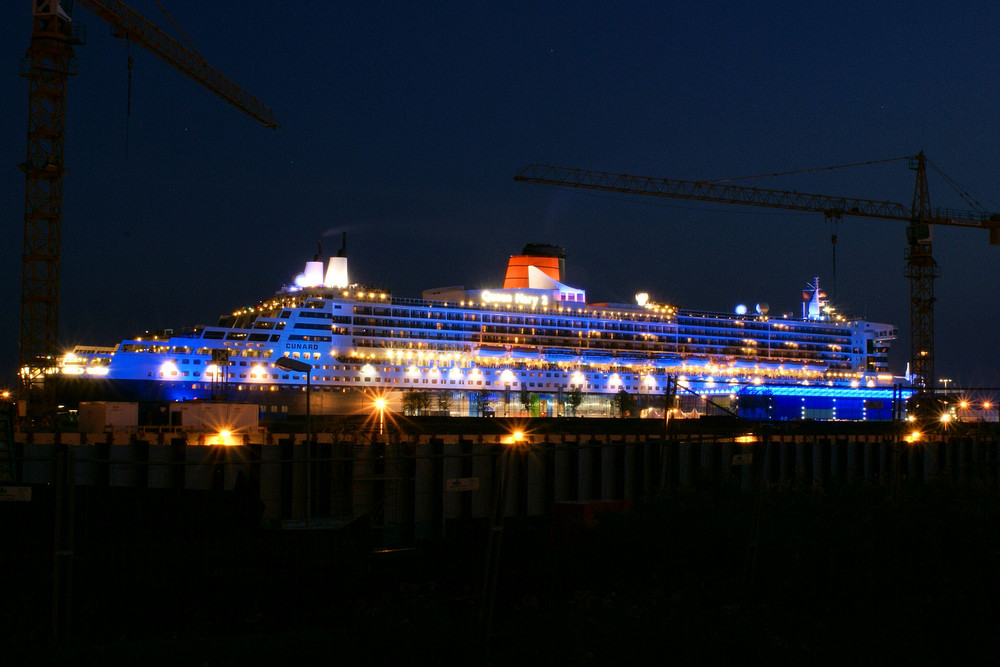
{"x": 770, "y": 402}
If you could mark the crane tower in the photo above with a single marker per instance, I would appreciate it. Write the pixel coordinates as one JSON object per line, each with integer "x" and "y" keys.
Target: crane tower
{"x": 48, "y": 64}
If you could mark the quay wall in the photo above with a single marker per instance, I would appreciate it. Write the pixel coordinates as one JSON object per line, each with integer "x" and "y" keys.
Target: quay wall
{"x": 415, "y": 485}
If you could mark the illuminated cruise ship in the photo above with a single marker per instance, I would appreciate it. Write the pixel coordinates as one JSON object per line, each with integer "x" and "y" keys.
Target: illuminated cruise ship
{"x": 534, "y": 346}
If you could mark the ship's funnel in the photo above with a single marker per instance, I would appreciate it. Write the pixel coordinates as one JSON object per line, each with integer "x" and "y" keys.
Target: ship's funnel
{"x": 549, "y": 259}
{"x": 336, "y": 273}
{"x": 312, "y": 276}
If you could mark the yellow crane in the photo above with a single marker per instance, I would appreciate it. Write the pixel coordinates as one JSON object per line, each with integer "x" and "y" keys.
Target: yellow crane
{"x": 48, "y": 65}
{"x": 921, "y": 267}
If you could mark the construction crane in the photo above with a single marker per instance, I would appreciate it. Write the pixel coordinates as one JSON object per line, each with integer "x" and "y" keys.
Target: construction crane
{"x": 49, "y": 63}
{"x": 921, "y": 268}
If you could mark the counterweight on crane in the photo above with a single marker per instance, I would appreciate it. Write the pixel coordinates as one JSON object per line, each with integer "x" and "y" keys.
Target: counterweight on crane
{"x": 48, "y": 64}
{"x": 921, "y": 267}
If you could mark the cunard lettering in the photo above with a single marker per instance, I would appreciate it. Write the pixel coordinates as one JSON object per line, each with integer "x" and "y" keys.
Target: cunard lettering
{"x": 301, "y": 346}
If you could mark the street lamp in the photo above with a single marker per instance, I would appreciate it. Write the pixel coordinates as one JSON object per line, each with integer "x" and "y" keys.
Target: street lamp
{"x": 380, "y": 404}
{"x": 289, "y": 364}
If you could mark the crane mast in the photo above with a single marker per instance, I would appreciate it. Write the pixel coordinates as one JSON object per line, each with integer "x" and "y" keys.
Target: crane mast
{"x": 48, "y": 64}
{"x": 921, "y": 267}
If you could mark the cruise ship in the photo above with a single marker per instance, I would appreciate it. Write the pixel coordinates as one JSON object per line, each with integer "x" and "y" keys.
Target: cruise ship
{"x": 532, "y": 347}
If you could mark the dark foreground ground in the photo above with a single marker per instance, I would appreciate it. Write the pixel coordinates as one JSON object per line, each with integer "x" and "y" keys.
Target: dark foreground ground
{"x": 716, "y": 576}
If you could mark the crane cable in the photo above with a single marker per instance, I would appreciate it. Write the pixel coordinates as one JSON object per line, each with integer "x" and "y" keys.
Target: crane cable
{"x": 807, "y": 171}
{"x": 833, "y": 245}
{"x": 128, "y": 99}
{"x": 128, "y": 106}
{"x": 178, "y": 28}
{"x": 833, "y": 220}
{"x": 959, "y": 189}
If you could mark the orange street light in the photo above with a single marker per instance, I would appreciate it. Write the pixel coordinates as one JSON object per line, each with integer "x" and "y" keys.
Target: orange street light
{"x": 380, "y": 405}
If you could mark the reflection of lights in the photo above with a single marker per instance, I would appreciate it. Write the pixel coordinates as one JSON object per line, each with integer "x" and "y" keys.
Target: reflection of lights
{"x": 913, "y": 437}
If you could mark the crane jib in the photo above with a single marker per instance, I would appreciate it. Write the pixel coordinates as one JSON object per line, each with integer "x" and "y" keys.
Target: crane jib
{"x": 921, "y": 267}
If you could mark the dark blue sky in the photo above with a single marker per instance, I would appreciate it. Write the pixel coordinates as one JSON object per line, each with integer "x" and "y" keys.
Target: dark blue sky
{"x": 404, "y": 125}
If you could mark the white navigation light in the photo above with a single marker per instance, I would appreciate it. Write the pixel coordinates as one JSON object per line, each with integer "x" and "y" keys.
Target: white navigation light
{"x": 741, "y": 309}
{"x": 642, "y": 298}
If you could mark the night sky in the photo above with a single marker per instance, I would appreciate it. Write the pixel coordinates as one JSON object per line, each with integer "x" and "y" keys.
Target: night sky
{"x": 404, "y": 125}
